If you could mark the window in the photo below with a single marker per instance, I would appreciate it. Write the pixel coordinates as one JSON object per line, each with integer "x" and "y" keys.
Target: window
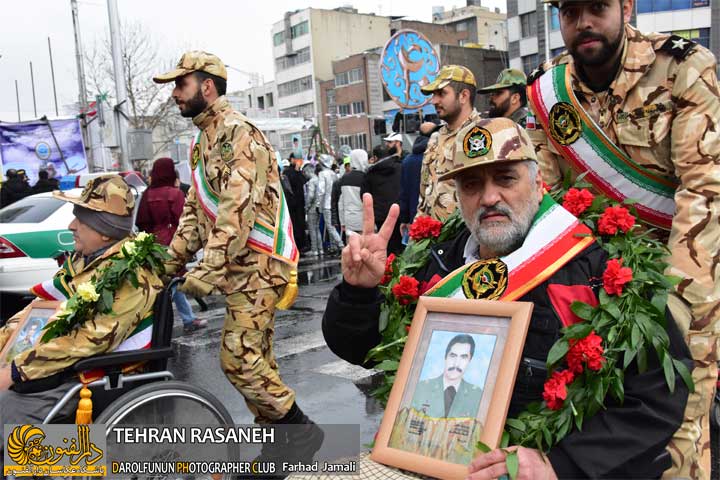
{"x": 295, "y": 86}
{"x": 358, "y": 107}
{"x": 249, "y": 101}
{"x": 261, "y": 103}
{"x": 345, "y": 140}
{"x": 530, "y": 63}
{"x": 351, "y": 76}
{"x": 301, "y": 111}
{"x": 554, "y": 18}
{"x": 344, "y": 110}
{"x": 461, "y": 27}
{"x": 648, "y": 6}
{"x": 30, "y": 210}
{"x": 357, "y": 140}
{"x": 528, "y": 24}
{"x": 288, "y": 61}
{"x": 331, "y": 97}
{"x": 279, "y": 38}
{"x": 299, "y": 30}
{"x": 269, "y": 100}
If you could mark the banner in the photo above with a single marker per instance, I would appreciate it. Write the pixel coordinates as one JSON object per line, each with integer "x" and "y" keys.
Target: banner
{"x": 38, "y": 144}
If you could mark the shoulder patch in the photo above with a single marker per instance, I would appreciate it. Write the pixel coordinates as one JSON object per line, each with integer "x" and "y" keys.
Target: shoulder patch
{"x": 535, "y": 74}
{"x": 677, "y": 46}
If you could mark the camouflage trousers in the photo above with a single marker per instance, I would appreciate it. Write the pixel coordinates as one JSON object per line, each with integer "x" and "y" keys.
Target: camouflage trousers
{"x": 246, "y": 353}
{"x": 690, "y": 446}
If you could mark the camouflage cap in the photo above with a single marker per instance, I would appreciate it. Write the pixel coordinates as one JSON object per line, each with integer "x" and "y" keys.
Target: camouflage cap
{"x": 507, "y": 78}
{"x": 489, "y": 140}
{"x": 109, "y": 193}
{"x": 449, "y": 73}
{"x": 194, "y": 61}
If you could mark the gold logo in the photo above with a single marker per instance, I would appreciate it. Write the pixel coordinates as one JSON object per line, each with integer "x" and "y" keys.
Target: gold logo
{"x": 565, "y": 125}
{"x": 477, "y": 142}
{"x": 226, "y": 152}
{"x": 486, "y": 279}
{"x": 195, "y": 157}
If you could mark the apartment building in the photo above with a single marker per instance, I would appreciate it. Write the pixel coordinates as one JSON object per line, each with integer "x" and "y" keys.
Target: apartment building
{"x": 480, "y": 25}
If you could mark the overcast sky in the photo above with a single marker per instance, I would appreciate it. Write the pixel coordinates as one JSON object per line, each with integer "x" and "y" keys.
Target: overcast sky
{"x": 236, "y": 31}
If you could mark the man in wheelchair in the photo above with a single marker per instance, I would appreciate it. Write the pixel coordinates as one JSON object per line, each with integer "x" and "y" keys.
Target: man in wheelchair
{"x": 37, "y": 378}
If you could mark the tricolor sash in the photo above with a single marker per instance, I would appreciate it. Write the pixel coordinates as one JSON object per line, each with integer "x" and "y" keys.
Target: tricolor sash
{"x": 589, "y": 150}
{"x": 276, "y": 241}
{"x": 555, "y": 238}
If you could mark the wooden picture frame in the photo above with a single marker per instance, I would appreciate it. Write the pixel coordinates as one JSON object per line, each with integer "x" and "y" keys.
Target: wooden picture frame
{"x": 29, "y": 329}
{"x": 417, "y": 412}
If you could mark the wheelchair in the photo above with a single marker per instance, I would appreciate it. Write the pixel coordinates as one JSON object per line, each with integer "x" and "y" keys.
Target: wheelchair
{"x": 151, "y": 396}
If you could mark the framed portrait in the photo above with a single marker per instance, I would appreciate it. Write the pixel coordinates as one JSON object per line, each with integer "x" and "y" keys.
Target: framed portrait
{"x": 453, "y": 384}
{"x": 29, "y": 329}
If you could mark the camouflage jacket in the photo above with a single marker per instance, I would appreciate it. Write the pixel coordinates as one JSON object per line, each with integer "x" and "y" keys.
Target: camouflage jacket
{"x": 101, "y": 335}
{"x": 438, "y": 199}
{"x": 662, "y": 109}
{"x": 241, "y": 168}
{"x": 519, "y": 116}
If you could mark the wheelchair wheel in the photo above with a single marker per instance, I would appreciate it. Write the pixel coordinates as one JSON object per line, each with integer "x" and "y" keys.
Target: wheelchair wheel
{"x": 166, "y": 403}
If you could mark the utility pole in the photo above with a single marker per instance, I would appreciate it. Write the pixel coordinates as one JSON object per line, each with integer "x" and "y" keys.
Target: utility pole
{"x": 81, "y": 83}
{"x": 32, "y": 84}
{"x": 120, "y": 87}
{"x": 52, "y": 73}
{"x": 17, "y": 98}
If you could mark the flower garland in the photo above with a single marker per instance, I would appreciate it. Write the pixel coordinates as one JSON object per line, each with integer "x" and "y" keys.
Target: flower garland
{"x": 588, "y": 362}
{"x": 97, "y": 295}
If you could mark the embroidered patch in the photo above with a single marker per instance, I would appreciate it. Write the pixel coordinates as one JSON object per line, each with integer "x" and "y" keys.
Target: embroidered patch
{"x": 477, "y": 142}
{"x": 195, "y": 157}
{"x": 565, "y": 125}
{"x": 486, "y": 279}
{"x": 648, "y": 111}
{"x": 226, "y": 151}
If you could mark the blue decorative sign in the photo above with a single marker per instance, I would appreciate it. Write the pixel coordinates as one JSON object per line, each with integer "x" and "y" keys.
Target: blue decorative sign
{"x": 409, "y": 61}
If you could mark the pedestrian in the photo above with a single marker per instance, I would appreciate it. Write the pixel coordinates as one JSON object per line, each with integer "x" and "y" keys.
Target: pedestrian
{"x": 350, "y": 199}
{"x": 410, "y": 179}
{"x": 326, "y": 178}
{"x": 297, "y": 204}
{"x": 45, "y": 183}
{"x": 644, "y": 109}
{"x": 236, "y": 185}
{"x": 382, "y": 181}
{"x": 159, "y": 213}
{"x": 312, "y": 209}
{"x": 378, "y": 152}
{"x": 508, "y": 97}
{"x": 15, "y": 188}
{"x": 394, "y": 145}
{"x": 453, "y": 95}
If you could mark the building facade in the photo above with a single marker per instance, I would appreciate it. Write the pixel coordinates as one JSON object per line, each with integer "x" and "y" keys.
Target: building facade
{"x": 480, "y": 25}
{"x": 305, "y": 44}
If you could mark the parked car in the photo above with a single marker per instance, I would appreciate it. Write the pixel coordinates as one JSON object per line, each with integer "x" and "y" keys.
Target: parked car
{"x": 33, "y": 233}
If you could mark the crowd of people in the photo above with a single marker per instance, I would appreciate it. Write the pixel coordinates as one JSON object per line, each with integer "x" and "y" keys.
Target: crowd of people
{"x": 17, "y": 184}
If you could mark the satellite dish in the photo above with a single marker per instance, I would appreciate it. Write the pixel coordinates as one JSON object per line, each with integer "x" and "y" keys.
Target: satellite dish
{"x": 408, "y": 62}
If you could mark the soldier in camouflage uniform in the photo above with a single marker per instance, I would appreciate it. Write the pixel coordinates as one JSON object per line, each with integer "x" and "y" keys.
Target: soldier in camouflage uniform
{"x": 103, "y": 222}
{"x": 453, "y": 95}
{"x": 508, "y": 97}
{"x": 656, "y": 97}
{"x": 241, "y": 171}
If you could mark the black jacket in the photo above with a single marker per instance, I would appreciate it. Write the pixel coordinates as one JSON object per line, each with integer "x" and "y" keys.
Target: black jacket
{"x": 410, "y": 180}
{"x": 382, "y": 180}
{"x": 47, "y": 185}
{"x": 625, "y": 441}
{"x": 14, "y": 189}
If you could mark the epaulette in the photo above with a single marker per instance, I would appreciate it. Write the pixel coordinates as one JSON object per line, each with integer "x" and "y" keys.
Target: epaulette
{"x": 535, "y": 74}
{"x": 677, "y": 46}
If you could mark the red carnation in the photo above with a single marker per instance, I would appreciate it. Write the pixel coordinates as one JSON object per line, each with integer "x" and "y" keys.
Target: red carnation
{"x": 555, "y": 391}
{"x": 615, "y": 218}
{"x": 588, "y": 351}
{"x": 425, "y": 227}
{"x": 387, "y": 276}
{"x": 615, "y": 276}
{"x": 425, "y": 286}
{"x": 406, "y": 290}
{"x": 577, "y": 201}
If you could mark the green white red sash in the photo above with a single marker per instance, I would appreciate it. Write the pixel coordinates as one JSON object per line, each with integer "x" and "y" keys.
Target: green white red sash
{"x": 606, "y": 166}
{"x": 276, "y": 241}
{"x": 555, "y": 238}
{"x": 60, "y": 289}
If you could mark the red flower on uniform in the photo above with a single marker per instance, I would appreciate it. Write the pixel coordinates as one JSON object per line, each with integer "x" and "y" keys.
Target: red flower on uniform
{"x": 425, "y": 227}
{"x": 406, "y": 290}
{"x": 555, "y": 389}
{"x": 588, "y": 351}
{"x": 387, "y": 276}
{"x": 577, "y": 201}
{"x": 615, "y": 218}
{"x": 616, "y": 276}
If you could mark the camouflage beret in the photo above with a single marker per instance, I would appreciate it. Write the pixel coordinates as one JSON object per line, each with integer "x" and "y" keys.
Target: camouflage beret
{"x": 507, "y": 78}
{"x": 447, "y": 74}
{"x": 108, "y": 193}
{"x": 489, "y": 140}
{"x": 194, "y": 61}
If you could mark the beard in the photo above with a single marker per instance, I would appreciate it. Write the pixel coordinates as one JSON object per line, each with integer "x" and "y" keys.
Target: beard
{"x": 501, "y": 238}
{"x": 450, "y": 115}
{"x": 497, "y": 111}
{"x": 194, "y": 107}
{"x": 602, "y": 56}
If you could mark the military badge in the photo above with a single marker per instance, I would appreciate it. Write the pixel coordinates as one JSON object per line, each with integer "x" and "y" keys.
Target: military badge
{"x": 486, "y": 279}
{"x": 226, "y": 152}
{"x": 477, "y": 142}
{"x": 195, "y": 157}
{"x": 565, "y": 125}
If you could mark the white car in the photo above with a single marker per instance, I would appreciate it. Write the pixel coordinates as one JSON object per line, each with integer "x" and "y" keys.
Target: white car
{"x": 33, "y": 232}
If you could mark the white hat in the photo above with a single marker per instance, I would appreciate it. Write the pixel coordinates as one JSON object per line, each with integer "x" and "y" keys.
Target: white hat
{"x": 393, "y": 137}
